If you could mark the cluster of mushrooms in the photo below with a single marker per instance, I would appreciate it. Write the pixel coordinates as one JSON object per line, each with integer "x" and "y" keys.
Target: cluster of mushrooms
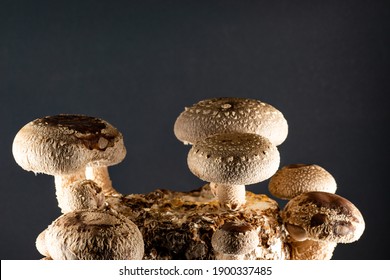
{"x": 233, "y": 143}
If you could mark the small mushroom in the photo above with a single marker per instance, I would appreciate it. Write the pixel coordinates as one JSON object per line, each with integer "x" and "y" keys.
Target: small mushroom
{"x": 312, "y": 250}
{"x": 92, "y": 235}
{"x": 322, "y": 216}
{"x": 230, "y": 115}
{"x": 64, "y": 145}
{"x": 295, "y": 179}
{"x": 234, "y": 240}
{"x": 231, "y": 161}
{"x": 84, "y": 194}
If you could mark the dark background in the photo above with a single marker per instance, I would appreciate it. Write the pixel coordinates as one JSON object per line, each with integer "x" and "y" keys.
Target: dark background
{"x": 136, "y": 64}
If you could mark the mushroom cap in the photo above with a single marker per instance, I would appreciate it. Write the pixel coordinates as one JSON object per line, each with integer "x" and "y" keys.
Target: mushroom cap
{"x": 312, "y": 250}
{"x": 234, "y": 159}
{"x": 295, "y": 179}
{"x": 323, "y": 216}
{"x": 235, "y": 238}
{"x": 94, "y": 235}
{"x": 63, "y": 144}
{"x": 40, "y": 244}
{"x": 82, "y": 194}
{"x": 229, "y": 115}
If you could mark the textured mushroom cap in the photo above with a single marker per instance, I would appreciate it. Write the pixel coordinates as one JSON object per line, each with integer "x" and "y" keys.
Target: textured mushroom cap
{"x": 229, "y": 115}
{"x": 235, "y": 238}
{"x": 312, "y": 250}
{"x": 84, "y": 194}
{"x": 237, "y": 159}
{"x": 295, "y": 179}
{"x": 323, "y": 216}
{"x": 64, "y": 144}
{"x": 94, "y": 235}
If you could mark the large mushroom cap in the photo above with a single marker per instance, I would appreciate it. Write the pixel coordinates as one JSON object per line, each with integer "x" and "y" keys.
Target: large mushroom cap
{"x": 235, "y": 238}
{"x": 230, "y": 115}
{"x": 323, "y": 216}
{"x": 236, "y": 159}
{"x": 294, "y": 179}
{"x": 64, "y": 144}
{"x": 93, "y": 235}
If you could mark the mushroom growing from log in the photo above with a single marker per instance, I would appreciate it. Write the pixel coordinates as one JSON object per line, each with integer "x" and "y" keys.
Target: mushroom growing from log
{"x": 295, "y": 179}
{"x": 230, "y": 115}
{"x": 323, "y": 216}
{"x": 231, "y": 161}
{"x": 91, "y": 235}
{"x": 234, "y": 240}
{"x": 65, "y": 145}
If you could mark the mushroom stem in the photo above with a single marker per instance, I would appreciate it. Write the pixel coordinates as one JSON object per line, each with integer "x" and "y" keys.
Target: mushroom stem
{"x": 64, "y": 181}
{"x": 100, "y": 175}
{"x": 230, "y": 196}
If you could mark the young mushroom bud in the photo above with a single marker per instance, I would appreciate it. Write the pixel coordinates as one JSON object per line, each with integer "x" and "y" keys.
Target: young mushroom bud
{"x": 92, "y": 235}
{"x": 231, "y": 161}
{"x": 295, "y": 179}
{"x": 312, "y": 250}
{"x": 234, "y": 240}
{"x": 84, "y": 194}
{"x": 64, "y": 145}
{"x": 323, "y": 216}
{"x": 230, "y": 115}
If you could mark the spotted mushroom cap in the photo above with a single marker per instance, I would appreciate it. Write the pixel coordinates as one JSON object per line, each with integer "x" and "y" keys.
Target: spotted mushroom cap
{"x": 230, "y": 115}
{"x": 63, "y": 144}
{"x": 235, "y": 238}
{"x": 295, "y": 179}
{"x": 323, "y": 216}
{"x": 234, "y": 159}
{"x": 93, "y": 235}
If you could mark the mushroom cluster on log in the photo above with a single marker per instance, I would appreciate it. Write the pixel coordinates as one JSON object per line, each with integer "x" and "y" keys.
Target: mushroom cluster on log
{"x": 234, "y": 143}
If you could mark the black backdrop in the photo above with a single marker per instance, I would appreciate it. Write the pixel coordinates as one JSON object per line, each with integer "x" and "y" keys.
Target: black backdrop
{"x": 324, "y": 64}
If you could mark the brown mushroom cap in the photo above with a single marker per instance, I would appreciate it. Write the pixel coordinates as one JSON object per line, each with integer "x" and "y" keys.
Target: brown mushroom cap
{"x": 235, "y": 238}
{"x": 93, "y": 235}
{"x": 230, "y": 115}
{"x": 64, "y": 144}
{"x": 235, "y": 159}
{"x": 323, "y": 216}
{"x": 295, "y": 179}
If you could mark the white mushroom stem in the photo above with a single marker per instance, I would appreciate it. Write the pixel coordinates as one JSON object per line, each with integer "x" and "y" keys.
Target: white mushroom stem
{"x": 100, "y": 175}
{"x": 64, "y": 181}
{"x": 230, "y": 196}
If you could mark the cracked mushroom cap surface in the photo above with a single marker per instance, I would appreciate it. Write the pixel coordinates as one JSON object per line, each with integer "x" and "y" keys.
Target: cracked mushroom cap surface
{"x": 234, "y": 159}
{"x": 323, "y": 216}
{"x": 235, "y": 238}
{"x": 63, "y": 144}
{"x": 230, "y": 115}
{"x": 295, "y": 179}
{"x": 93, "y": 235}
